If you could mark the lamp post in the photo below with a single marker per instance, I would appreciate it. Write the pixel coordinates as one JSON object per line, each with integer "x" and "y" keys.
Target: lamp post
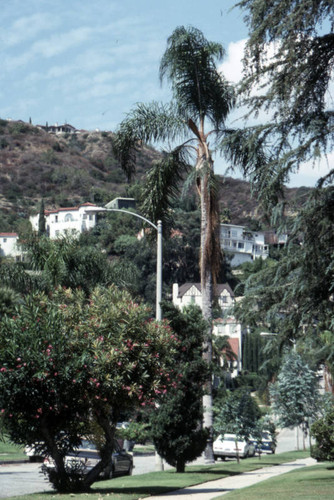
{"x": 158, "y": 228}
{"x": 159, "y": 465}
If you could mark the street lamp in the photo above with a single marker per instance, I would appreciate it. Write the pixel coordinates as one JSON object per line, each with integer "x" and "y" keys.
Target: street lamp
{"x": 159, "y": 465}
{"x": 158, "y": 228}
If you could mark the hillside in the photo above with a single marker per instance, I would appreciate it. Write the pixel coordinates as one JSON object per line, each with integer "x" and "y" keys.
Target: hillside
{"x": 68, "y": 169}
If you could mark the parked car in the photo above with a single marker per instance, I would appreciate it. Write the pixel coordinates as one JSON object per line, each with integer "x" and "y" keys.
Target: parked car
{"x": 228, "y": 446}
{"x": 83, "y": 459}
{"x": 33, "y": 453}
{"x": 267, "y": 444}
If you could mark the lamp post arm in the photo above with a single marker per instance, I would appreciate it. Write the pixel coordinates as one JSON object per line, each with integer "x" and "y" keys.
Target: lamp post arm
{"x": 158, "y": 228}
{"x": 130, "y": 213}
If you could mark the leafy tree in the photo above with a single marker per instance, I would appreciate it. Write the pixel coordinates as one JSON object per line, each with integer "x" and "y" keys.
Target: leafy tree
{"x": 295, "y": 394}
{"x": 69, "y": 367}
{"x": 176, "y": 423}
{"x": 237, "y": 414}
{"x": 68, "y": 263}
{"x": 289, "y": 59}
{"x": 288, "y": 296}
{"x": 288, "y": 64}
{"x": 252, "y": 352}
{"x": 202, "y": 99}
{"x": 322, "y": 431}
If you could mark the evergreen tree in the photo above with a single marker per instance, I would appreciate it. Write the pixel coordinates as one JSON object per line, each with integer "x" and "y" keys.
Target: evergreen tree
{"x": 176, "y": 423}
{"x": 41, "y": 220}
{"x": 295, "y": 394}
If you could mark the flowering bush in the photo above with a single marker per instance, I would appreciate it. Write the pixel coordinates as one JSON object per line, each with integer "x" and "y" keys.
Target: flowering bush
{"x": 68, "y": 364}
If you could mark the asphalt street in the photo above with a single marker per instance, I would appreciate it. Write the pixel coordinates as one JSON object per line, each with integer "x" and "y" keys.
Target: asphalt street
{"x": 20, "y": 479}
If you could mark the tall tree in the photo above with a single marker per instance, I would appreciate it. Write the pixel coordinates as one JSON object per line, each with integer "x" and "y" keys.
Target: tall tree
{"x": 202, "y": 99}
{"x": 289, "y": 60}
{"x": 295, "y": 394}
{"x": 288, "y": 66}
{"x": 176, "y": 423}
{"x": 41, "y": 220}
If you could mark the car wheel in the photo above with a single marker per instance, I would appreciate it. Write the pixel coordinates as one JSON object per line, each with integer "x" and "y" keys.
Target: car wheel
{"x": 129, "y": 473}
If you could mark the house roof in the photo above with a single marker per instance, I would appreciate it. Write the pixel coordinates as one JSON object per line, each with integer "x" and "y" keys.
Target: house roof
{"x": 234, "y": 344}
{"x": 9, "y": 235}
{"x": 71, "y": 209}
{"x": 219, "y": 288}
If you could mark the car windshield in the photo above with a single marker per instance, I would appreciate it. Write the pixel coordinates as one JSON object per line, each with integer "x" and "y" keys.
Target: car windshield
{"x": 88, "y": 444}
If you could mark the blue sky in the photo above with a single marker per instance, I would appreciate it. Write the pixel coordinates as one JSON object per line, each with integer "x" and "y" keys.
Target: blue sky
{"x": 88, "y": 62}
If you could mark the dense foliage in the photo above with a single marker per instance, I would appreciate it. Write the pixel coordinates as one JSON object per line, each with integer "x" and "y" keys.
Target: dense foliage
{"x": 322, "y": 431}
{"x": 68, "y": 365}
{"x": 295, "y": 395}
{"x": 177, "y": 421}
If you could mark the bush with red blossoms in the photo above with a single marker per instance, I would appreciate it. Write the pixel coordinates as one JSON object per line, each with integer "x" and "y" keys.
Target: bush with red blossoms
{"x": 68, "y": 365}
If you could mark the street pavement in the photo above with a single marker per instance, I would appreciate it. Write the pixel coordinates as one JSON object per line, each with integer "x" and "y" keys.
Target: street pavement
{"x": 212, "y": 489}
{"x": 19, "y": 479}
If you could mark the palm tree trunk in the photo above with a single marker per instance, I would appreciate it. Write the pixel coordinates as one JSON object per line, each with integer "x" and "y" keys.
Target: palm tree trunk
{"x": 207, "y": 294}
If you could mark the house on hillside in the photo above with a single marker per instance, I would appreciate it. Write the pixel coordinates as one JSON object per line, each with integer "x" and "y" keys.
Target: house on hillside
{"x": 69, "y": 220}
{"x": 242, "y": 245}
{"x": 65, "y": 128}
{"x": 120, "y": 203}
{"x": 9, "y": 246}
{"x": 190, "y": 293}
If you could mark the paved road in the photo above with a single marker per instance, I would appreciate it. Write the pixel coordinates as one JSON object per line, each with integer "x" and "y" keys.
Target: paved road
{"x": 21, "y": 479}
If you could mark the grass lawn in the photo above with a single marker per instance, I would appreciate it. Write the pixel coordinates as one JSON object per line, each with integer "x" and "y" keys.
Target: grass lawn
{"x": 311, "y": 483}
{"x": 9, "y": 451}
{"x": 154, "y": 483}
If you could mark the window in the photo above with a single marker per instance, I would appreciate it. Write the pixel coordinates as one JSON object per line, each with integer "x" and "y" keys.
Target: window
{"x": 5, "y": 240}
{"x": 240, "y": 245}
{"x": 56, "y": 218}
{"x": 68, "y": 218}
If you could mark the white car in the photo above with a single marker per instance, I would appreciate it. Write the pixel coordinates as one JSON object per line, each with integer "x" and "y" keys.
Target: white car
{"x": 33, "y": 454}
{"x": 228, "y": 446}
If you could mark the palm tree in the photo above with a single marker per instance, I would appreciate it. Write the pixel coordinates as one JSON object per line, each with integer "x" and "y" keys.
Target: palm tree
{"x": 201, "y": 98}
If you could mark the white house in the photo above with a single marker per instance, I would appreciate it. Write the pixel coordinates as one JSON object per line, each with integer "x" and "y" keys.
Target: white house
{"x": 68, "y": 221}
{"x": 241, "y": 244}
{"x": 9, "y": 246}
{"x": 190, "y": 293}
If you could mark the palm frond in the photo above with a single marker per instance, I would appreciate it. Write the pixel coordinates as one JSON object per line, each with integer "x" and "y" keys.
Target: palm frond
{"x": 189, "y": 64}
{"x": 163, "y": 183}
{"x": 146, "y": 123}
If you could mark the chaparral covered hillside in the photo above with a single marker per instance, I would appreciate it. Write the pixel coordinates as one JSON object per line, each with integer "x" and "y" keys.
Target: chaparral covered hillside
{"x": 67, "y": 167}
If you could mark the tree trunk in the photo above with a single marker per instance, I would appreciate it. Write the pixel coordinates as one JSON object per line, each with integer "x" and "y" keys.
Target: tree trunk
{"x": 207, "y": 295}
{"x": 105, "y": 452}
{"x": 180, "y": 466}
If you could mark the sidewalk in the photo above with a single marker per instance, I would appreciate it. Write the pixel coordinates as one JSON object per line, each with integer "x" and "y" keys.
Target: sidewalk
{"x": 212, "y": 489}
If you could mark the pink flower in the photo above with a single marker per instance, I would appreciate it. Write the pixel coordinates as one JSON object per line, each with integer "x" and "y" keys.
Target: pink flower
{"x": 3, "y": 369}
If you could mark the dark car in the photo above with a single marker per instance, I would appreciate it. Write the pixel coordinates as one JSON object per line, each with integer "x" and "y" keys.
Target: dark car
{"x": 267, "y": 444}
{"x": 87, "y": 456}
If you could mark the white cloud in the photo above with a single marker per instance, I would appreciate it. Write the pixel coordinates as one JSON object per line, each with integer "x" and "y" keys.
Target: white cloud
{"x": 27, "y": 27}
{"x": 232, "y": 67}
